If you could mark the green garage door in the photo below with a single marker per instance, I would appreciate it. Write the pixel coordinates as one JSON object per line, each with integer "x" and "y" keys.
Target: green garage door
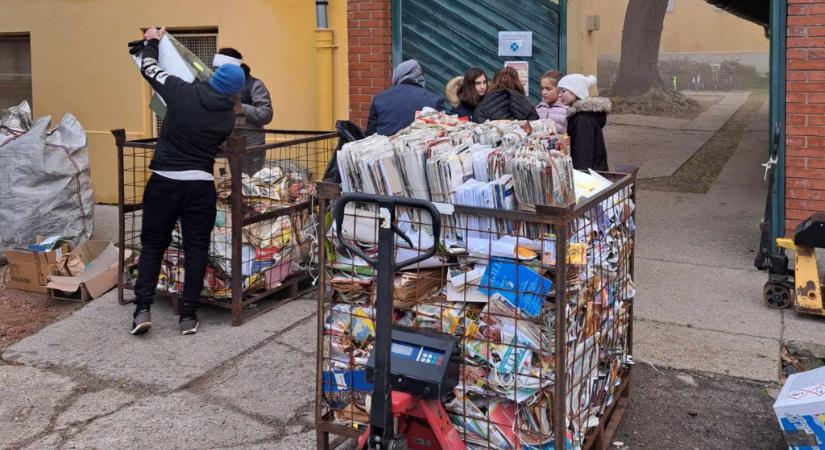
{"x": 448, "y": 36}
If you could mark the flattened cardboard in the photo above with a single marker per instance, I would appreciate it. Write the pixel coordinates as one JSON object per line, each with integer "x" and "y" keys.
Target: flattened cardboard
{"x": 101, "y": 271}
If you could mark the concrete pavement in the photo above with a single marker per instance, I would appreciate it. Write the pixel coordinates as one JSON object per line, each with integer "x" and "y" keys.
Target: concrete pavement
{"x": 84, "y": 382}
{"x": 699, "y": 303}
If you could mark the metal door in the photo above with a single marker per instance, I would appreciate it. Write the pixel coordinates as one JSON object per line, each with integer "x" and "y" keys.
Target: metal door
{"x": 449, "y": 36}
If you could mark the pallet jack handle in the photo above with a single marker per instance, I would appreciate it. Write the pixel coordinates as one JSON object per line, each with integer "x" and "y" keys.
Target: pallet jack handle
{"x": 382, "y": 426}
{"x": 387, "y": 206}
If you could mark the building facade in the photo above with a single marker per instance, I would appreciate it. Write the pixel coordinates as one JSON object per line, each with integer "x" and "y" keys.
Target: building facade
{"x": 72, "y": 56}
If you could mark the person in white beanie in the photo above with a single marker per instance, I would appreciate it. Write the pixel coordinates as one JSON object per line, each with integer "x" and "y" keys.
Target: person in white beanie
{"x": 586, "y": 118}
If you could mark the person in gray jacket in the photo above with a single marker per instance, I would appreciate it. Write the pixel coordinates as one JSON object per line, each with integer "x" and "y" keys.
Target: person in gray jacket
{"x": 257, "y": 107}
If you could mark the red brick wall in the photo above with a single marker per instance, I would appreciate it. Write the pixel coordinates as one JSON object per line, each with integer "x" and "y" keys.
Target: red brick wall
{"x": 369, "y": 28}
{"x": 805, "y": 109}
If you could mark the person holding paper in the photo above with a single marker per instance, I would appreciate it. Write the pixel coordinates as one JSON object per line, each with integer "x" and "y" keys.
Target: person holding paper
{"x": 257, "y": 107}
{"x": 586, "y": 117}
{"x": 395, "y": 108}
{"x": 199, "y": 117}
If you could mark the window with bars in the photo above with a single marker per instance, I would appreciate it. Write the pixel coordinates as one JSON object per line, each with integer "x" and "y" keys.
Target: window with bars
{"x": 15, "y": 70}
{"x": 202, "y": 42}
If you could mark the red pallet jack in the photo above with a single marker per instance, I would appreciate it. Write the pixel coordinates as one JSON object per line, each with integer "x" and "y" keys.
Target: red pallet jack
{"x": 411, "y": 370}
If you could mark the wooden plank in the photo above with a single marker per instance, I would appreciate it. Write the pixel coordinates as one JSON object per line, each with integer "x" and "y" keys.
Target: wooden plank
{"x": 602, "y": 437}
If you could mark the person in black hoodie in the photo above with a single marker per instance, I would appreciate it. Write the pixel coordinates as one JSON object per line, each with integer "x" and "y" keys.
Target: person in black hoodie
{"x": 586, "y": 117}
{"x": 199, "y": 118}
{"x": 505, "y": 100}
{"x": 394, "y": 109}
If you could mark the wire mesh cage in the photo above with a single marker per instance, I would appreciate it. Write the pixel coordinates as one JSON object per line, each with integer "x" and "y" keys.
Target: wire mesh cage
{"x": 541, "y": 302}
{"x": 15, "y": 70}
{"x": 263, "y": 243}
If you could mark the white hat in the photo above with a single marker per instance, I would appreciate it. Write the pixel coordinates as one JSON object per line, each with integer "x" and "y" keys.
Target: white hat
{"x": 219, "y": 60}
{"x": 578, "y": 84}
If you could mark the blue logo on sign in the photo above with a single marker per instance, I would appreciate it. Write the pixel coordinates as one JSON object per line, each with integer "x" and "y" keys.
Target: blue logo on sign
{"x": 514, "y": 46}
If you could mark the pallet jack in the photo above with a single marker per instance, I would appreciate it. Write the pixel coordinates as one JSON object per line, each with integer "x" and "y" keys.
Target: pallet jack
{"x": 801, "y": 285}
{"x": 411, "y": 370}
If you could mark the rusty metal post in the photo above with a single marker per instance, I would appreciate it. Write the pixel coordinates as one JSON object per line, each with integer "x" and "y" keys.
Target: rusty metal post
{"x": 560, "y": 389}
{"x": 236, "y": 146}
{"x": 120, "y": 140}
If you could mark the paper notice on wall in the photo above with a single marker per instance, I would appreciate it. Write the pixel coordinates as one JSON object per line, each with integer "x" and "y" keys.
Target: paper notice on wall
{"x": 515, "y": 43}
{"x": 523, "y": 69}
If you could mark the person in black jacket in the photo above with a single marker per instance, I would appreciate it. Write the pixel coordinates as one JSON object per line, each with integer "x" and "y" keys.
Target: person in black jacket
{"x": 505, "y": 100}
{"x": 464, "y": 93}
{"x": 394, "y": 109}
{"x": 586, "y": 117}
{"x": 199, "y": 118}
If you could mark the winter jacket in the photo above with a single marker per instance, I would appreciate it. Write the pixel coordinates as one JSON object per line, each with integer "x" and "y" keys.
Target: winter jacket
{"x": 451, "y": 94}
{"x": 394, "y": 109}
{"x": 463, "y": 110}
{"x": 257, "y": 107}
{"x": 198, "y": 118}
{"x": 504, "y": 104}
{"x": 585, "y": 121}
{"x": 557, "y": 113}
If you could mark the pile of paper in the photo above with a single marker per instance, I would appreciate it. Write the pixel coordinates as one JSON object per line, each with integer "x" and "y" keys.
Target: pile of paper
{"x": 438, "y": 155}
{"x": 542, "y": 178}
{"x": 491, "y": 283}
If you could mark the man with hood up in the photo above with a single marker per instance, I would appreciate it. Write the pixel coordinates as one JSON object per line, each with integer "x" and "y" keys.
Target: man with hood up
{"x": 199, "y": 117}
{"x": 394, "y": 109}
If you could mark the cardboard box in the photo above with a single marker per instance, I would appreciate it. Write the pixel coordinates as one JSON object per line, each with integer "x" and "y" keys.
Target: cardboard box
{"x": 100, "y": 258}
{"x": 29, "y": 270}
{"x": 800, "y": 409}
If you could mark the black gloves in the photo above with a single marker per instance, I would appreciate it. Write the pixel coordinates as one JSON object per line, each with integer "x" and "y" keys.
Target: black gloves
{"x": 135, "y": 47}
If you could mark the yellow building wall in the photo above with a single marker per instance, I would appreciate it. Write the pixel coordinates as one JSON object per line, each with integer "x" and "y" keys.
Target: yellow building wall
{"x": 80, "y": 62}
{"x": 582, "y": 45}
{"x": 694, "y": 26}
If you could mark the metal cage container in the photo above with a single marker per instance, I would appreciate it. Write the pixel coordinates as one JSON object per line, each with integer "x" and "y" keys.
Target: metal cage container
{"x": 534, "y": 375}
{"x": 263, "y": 245}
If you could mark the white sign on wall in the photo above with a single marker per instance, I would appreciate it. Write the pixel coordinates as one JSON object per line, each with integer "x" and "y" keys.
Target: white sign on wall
{"x": 515, "y": 43}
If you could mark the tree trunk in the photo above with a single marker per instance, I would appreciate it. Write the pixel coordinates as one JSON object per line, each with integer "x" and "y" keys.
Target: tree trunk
{"x": 639, "y": 64}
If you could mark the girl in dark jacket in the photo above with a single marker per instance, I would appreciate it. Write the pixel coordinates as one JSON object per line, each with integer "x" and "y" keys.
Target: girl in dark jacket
{"x": 586, "y": 117}
{"x": 505, "y": 100}
{"x": 466, "y": 92}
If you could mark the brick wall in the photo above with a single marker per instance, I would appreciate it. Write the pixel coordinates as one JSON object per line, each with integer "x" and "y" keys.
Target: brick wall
{"x": 805, "y": 109}
{"x": 369, "y": 28}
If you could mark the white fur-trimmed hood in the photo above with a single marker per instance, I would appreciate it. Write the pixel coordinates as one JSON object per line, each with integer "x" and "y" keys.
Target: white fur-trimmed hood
{"x": 592, "y": 104}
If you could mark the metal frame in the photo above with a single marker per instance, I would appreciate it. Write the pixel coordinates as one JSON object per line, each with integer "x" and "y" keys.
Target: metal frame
{"x": 778, "y": 35}
{"x": 234, "y": 151}
{"x": 597, "y": 438}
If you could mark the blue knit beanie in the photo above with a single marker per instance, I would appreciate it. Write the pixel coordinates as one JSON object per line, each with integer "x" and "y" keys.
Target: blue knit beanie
{"x": 228, "y": 79}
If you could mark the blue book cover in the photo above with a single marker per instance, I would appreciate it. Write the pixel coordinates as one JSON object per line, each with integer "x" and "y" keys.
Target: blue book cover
{"x": 521, "y": 287}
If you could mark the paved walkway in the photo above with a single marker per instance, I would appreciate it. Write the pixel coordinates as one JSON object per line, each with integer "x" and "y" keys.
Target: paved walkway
{"x": 663, "y": 144}
{"x": 85, "y": 383}
{"x": 699, "y": 300}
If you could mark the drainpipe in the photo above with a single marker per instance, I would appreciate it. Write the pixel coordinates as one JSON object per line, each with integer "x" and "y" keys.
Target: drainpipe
{"x": 324, "y": 46}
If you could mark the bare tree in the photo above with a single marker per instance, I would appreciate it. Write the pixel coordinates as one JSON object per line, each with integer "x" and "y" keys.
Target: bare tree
{"x": 639, "y": 64}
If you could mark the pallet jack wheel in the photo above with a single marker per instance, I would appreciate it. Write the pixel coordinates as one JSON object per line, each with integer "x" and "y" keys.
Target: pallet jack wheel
{"x": 777, "y": 296}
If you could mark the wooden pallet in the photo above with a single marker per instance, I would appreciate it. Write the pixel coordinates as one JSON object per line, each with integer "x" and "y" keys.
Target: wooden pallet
{"x": 601, "y": 438}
